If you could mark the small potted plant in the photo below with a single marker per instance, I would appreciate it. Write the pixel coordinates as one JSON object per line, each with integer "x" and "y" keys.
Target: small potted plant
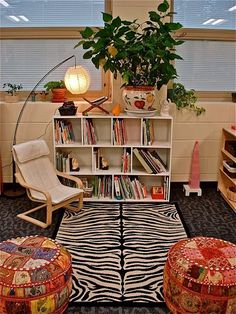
{"x": 184, "y": 99}
{"x": 58, "y": 90}
{"x": 12, "y": 95}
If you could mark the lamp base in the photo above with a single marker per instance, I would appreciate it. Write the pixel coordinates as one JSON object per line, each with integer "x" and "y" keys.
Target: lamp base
{"x": 13, "y": 191}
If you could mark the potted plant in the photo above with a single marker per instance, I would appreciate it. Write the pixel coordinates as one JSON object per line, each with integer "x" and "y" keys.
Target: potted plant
{"x": 12, "y": 89}
{"x": 142, "y": 54}
{"x": 58, "y": 90}
{"x": 184, "y": 99}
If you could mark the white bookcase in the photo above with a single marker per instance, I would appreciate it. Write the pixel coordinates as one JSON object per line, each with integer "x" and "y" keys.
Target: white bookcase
{"x": 161, "y": 128}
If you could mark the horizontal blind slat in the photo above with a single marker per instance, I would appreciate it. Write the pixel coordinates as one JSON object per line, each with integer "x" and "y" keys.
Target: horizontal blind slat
{"x": 27, "y": 61}
{"x": 207, "y": 65}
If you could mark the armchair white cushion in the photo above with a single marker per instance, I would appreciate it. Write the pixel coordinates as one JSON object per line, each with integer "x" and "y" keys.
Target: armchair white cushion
{"x": 38, "y": 175}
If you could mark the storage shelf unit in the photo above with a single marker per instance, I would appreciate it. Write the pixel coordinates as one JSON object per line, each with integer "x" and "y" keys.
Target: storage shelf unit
{"x": 84, "y": 148}
{"x": 227, "y": 180}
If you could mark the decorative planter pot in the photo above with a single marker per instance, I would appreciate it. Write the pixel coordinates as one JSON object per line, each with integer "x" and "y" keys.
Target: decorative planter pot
{"x": 58, "y": 95}
{"x": 138, "y": 98}
{"x": 11, "y": 99}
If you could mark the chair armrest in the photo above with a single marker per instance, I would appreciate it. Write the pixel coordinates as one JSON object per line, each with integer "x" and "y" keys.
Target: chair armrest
{"x": 72, "y": 178}
{"x": 31, "y": 187}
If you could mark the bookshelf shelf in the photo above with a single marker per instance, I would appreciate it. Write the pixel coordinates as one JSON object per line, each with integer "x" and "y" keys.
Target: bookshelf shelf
{"x": 227, "y": 178}
{"x": 93, "y": 142}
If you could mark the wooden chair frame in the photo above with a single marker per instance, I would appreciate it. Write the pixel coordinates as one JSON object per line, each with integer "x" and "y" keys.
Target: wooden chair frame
{"x": 50, "y": 208}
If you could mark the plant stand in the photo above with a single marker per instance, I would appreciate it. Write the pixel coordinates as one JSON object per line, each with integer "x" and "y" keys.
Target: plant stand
{"x": 95, "y": 104}
{"x": 189, "y": 190}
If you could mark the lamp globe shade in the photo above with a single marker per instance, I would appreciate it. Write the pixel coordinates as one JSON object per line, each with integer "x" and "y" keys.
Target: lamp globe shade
{"x": 77, "y": 80}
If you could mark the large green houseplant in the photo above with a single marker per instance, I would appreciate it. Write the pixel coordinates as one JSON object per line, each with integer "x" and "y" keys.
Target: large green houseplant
{"x": 142, "y": 53}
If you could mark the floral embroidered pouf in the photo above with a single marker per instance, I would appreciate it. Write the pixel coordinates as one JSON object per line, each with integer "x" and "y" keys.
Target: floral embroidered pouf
{"x": 35, "y": 276}
{"x": 200, "y": 277}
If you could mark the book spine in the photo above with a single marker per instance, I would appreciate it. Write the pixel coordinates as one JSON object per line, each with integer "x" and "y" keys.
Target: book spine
{"x": 117, "y": 188}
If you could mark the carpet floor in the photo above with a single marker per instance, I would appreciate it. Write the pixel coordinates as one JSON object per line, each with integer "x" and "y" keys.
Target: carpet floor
{"x": 208, "y": 215}
{"x": 119, "y": 250}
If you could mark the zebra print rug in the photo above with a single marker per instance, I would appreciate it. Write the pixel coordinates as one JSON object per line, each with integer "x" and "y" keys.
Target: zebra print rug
{"x": 119, "y": 250}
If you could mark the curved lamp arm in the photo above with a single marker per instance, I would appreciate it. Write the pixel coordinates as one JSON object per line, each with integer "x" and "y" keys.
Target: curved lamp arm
{"x": 27, "y": 99}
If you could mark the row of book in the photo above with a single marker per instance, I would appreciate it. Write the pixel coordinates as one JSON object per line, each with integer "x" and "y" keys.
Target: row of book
{"x": 129, "y": 188}
{"x": 64, "y": 133}
{"x": 148, "y": 132}
{"x": 150, "y": 160}
{"x": 90, "y": 137}
{"x": 102, "y": 186}
{"x": 119, "y": 132}
{"x": 125, "y": 187}
{"x": 65, "y": 162}
{"x": 126, "y": 160}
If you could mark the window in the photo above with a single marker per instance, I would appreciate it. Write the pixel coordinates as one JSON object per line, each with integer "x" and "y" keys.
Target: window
{"x": 37, "y": 35}
{"x": 209, "y": 51}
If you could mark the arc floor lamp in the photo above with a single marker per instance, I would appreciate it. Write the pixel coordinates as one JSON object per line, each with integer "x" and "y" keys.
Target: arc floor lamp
{"x": 77, "y": 81}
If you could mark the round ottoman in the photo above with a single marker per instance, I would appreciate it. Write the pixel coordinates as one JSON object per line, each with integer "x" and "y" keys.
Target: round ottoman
{"x": 200, "y": 277}
{"x": 35, "y": 276}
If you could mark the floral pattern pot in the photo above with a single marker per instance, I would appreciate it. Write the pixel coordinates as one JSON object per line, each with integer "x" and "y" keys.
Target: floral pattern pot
{"x": 138, "y": 98}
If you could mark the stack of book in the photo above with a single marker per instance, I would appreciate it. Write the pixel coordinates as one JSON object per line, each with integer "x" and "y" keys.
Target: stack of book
{"x": 129, "y": 188}
{"x": 150, "y": 160}
{"x": 126, "y": 160}
{"x": 90, "y": 137}
{"x": 102, "y": 186}
{"x": 119, "y": 132}
{"x": 64, "y": 133}
{"x": 148, "y": 132}
{"x": 64, "y": 162}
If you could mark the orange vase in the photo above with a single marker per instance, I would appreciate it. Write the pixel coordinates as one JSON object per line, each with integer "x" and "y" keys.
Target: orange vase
{"x": 59, "y": 95}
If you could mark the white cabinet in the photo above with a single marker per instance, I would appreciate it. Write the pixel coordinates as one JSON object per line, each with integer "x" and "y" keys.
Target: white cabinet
{"x": 103, "y": 147}
{"x": 227, "y": 171}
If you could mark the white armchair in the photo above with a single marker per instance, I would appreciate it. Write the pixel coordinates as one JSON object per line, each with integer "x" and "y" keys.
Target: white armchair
{"x": 39, "y": 177}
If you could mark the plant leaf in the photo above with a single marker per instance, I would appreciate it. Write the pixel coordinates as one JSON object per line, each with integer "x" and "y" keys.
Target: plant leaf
{"x": 174, "y": 56}
{"x": 79, "y": 43}
{"x": 106, "y": 17}
{"x": 87, "y": 32}
{"x": 116, "y": 22}
{"x": 88, "y": 44}
{"x": 174, "y": 26}
{"x": 163, "y": 7}
{"x": 154, "y": 16}
{"x": 88, "y": 54}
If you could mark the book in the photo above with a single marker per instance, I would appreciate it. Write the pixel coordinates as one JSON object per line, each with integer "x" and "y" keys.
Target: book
{"x": 150, "y": 161}
{"x": 157, "y": 156}
{"x": 117, "y": 189}
{"x": 142, "y": 161}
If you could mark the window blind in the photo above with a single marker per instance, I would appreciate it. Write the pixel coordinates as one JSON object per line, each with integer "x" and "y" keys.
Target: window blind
{"x": 27, "y": 61}
{"x": 207, "y": 65}
{"x": 52, "y": 13}
{"x": 213, "y": 14}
